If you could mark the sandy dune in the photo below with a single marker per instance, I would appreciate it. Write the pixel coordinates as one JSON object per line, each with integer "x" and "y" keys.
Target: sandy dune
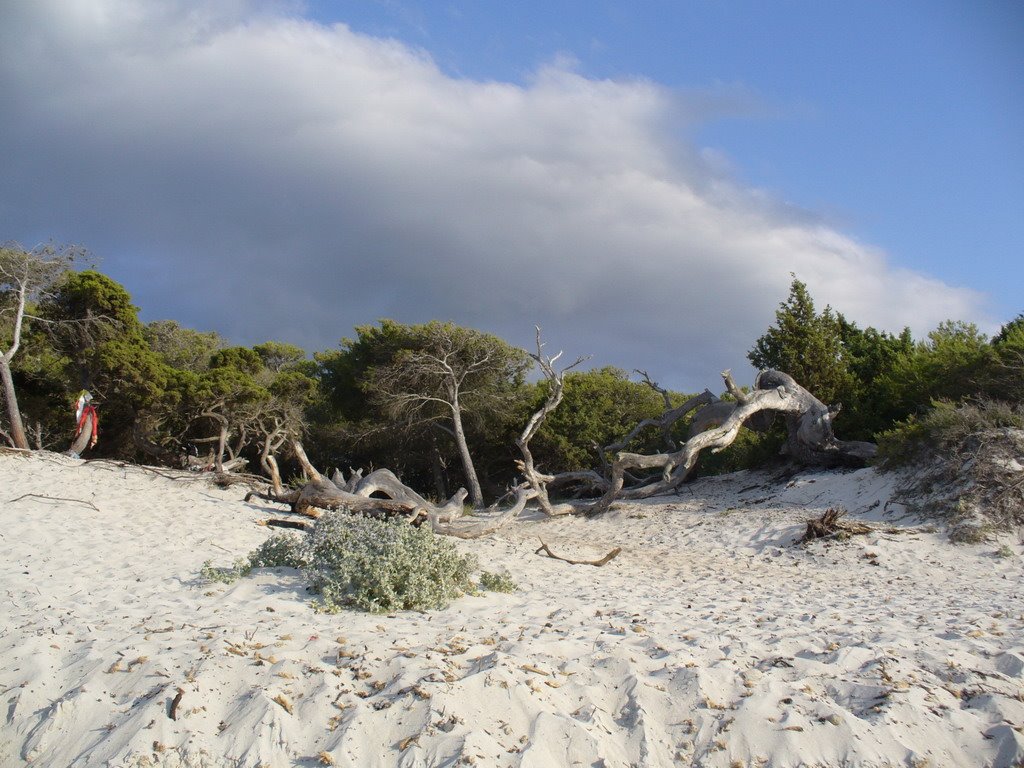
{"x": 712, "y": 640}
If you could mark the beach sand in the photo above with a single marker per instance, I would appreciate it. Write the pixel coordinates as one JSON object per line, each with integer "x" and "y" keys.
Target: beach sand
{"x": 713, "y": 639}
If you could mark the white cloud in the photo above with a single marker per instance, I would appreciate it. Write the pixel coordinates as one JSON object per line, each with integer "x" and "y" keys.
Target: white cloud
{"x": 261, "y": 175}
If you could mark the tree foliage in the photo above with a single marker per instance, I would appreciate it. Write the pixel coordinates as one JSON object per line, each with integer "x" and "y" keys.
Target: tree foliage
{"x": 807, "y": 345}
{"x": 26, "y": 277}
{"x": 598, "y": 407}
{"x": 442, "y": 373}
{"x": 436, "y": 402}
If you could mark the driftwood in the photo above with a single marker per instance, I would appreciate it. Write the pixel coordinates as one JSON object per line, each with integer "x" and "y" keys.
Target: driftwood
{"x": 831, "y": 525}
{"x": 715, "y": 426}
{"x": 809, "y": 422}
{"x": 606, "y": 559}
{"x": 53, "y": 498}
{"x": 297, "y": 525}
{"x": 361, "y": 495}
{"x": 666, "y": 420}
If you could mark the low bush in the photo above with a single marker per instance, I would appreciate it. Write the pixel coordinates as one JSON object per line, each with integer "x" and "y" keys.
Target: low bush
{"x": 383, "y": 566}
{"x": 963, "y": 464}
{"x": 945, "y": 426}
{"x": 371, "y": 564}
{"x": 282, "y": 550}
{"x": 497, "y": 582}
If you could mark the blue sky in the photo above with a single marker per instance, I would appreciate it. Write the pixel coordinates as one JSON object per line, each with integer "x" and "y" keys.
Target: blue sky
{"x": 639, "y": 178}
{"x": 902, "y": 122}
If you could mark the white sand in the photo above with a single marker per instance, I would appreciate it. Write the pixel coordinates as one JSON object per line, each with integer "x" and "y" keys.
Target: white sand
{"x": 710, "y": 641}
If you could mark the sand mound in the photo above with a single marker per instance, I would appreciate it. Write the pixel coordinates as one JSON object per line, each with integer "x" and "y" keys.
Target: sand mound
{"x": 975, "y": 485}
{"x": 712, "y": 640}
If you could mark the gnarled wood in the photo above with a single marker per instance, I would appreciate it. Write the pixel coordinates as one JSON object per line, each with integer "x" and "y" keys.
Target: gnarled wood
{"x": 537, "y": 481}
{"x": 665, "y": 421}
{"x": 304, "y": 462}
{"x": 477, "y": 525}
{"x": 809, "y": 421}
{"x": 322, "y": 494}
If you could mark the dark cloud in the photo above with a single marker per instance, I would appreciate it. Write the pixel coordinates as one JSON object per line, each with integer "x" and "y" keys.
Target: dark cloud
{"x": 267, "y": 177}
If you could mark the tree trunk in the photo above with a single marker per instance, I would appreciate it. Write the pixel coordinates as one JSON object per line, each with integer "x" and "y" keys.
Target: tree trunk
{"x": 222, "y": 438}
{"x": 476, "y": 496}
{"x": 222, "y": 441}
{"x": 810, "y": 433}
{"x": 269, "y": 464}
{"x": 10, "y": 398}
{"x": 81, "y": 441}
{"x": 307, "y": 467}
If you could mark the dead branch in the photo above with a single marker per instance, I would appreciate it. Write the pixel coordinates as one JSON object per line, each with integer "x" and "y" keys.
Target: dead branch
{"x": 606, "y": 559}
{"x": 293, "y": 524}
{"x": 477, "y": 525}
{"x": 53, "y": 498}
{"x": 537, "y": 481}
{"x": 175, "y": 703}
{"x": 665, "y": 421}
{"x": 831, "y": 525}
{"x": 307, "y": 467}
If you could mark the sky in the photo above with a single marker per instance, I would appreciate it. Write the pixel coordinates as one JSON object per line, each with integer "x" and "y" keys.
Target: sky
{"x": 641, "y": 179}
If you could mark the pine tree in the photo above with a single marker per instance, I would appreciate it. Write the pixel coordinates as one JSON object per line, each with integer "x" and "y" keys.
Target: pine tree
{"x": 806, "y": 345}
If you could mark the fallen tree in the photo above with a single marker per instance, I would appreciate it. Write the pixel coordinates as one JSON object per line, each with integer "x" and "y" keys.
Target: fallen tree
{"x": 362, "y": 495}
{"x": 810, "y": 438}
{"x": 714, "y": 426}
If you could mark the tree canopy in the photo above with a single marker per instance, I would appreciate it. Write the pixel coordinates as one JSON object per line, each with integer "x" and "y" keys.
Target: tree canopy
{"x": 438, "y": 403}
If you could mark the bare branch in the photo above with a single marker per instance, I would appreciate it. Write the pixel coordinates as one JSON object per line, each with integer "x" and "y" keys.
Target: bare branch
{"x": 602, "y": 561}
{"x": 556, "y": 390}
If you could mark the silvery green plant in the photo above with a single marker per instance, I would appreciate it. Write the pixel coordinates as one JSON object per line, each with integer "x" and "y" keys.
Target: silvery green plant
{"x": 383, "y": 566}
{"x": 371, "y": 564}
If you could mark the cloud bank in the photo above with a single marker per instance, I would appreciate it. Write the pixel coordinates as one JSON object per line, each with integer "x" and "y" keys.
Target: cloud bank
{"x": 248, "y": 171}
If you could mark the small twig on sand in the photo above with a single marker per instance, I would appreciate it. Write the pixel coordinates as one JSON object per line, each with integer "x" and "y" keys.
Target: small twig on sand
{"x": 296, "y": 524}
{"x": 173, "y": 713}
{"x": 607, "y": 558}
{"x": 54, "y": 498}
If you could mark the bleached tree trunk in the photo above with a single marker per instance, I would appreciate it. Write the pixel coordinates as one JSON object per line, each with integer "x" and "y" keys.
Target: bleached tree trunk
{"x": 538, "y": 481}
{"x": 307, "y": 467}
{"x": 476, "y": 496}
{"x": 809, "y": 420}
{"x": 81, "y": 441}
{"x": 17, "y": 433}
{"x": 222, "y": 438}
{"x": 272, "y": 443}
{"x": 10, "y": 396}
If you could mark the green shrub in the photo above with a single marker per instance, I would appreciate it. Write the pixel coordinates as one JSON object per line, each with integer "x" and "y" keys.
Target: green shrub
{"x": 945, "y": 426}
{"x": 497, "y": 582}
{"x": 371, "y": 564}
{"x": 279, "y": 551}
{"x": 225, "y": 575}
{"x": 282, "y": 550}
{"x": 961, "y": 464}
{"x": 383, "y": 566}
